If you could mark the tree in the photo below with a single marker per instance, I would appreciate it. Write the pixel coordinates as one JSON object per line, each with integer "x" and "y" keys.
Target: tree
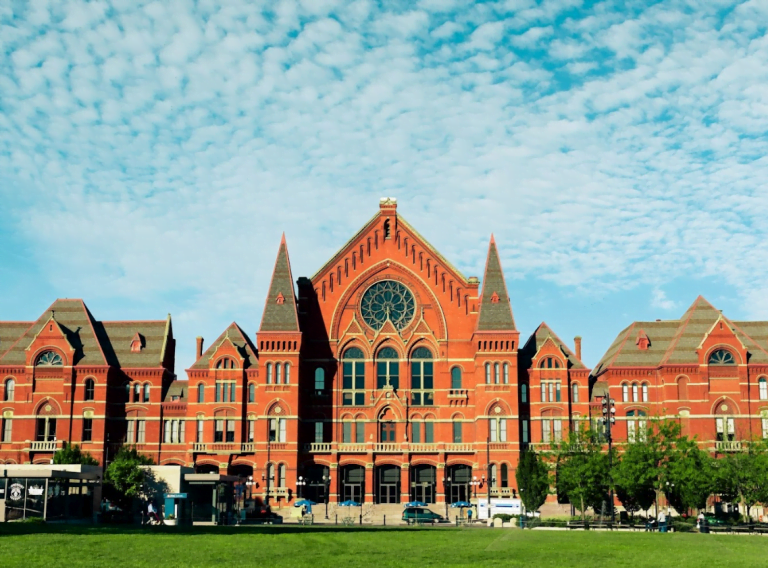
{"x": 581, "y": 469}
{"x": 72, "y": 454}
{"x": 691, "y": 476}
{"x": 532, "y": 477}
{"x": 125, "y": 476}
{"x": 743, "y": 476}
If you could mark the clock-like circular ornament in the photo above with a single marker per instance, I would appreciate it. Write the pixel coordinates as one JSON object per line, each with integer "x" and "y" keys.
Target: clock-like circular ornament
{"x": 388, "y": 300}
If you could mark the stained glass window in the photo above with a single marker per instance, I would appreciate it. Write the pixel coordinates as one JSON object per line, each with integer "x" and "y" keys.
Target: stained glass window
{"x": 388, "y": 300}
{"x": 49, "y": 358}
{"x": 721, "y": 357}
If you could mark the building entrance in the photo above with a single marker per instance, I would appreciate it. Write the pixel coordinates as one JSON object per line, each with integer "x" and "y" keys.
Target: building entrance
{"x": 388, "y": 484}
{"x": 353, "y": 483}
{"x": 459, "y": 476}
{"x": 423, "y": 483}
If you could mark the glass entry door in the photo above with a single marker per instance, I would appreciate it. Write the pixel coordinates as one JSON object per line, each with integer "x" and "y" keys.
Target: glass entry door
{"x": 388, "y": 484}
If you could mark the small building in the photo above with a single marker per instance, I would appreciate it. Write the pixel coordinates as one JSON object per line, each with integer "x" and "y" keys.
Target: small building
{"x": 49, "y": 492}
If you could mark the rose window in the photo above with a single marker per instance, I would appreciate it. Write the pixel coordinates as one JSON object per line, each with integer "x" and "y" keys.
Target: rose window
{"x": 388, "y": 300}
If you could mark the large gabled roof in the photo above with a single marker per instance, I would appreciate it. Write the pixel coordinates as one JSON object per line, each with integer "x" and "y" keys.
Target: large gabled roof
{"x": 535, "y": 342}
{"x": 675, "y": 342}
{"x": 238, "y": 338}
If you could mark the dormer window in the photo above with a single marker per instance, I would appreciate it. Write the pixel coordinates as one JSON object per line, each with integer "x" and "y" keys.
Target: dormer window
{"x": 722, "y": 357}
{"x": 495, "y": 298}
{"x": 136, "y": 344}
{"x": 226, "y": 363}
{"x": 642, "y": 341}
{"x": 280, "y": 299}
{"x": 550, "y": 363}
{"x": 50, "y": 359}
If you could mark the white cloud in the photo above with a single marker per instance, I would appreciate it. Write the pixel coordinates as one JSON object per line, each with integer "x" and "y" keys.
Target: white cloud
{"x": 659, "y": 300}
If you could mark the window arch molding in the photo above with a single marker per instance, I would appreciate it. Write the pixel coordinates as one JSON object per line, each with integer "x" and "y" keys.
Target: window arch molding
{"x": 9, "y": 389}
{"x": 49, "y": 358}
{"x": 89, "y": 389}
{"x": 721, "y": 357}
{"x": 762, "y": 387}
{"x": 225, "y": 362}
{"x": 415, "y": 350}
{"x": 385, "y": 351}
{"x": 457, "y": 377}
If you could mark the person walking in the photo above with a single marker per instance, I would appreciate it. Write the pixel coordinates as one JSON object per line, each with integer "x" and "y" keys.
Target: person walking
{"x": 662, "y": 522}
{"x": 469, "y": 515}
{"x": 151, "y": 513}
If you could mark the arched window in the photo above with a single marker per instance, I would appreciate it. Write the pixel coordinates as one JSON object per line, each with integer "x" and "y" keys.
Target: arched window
{"x": 504, "y": 475}
{"x": 457, "y": 434}
{"x": 645, "y": 392}
{"x": 625, "y": 392}
{"x": 422, "y": 384}
{"x": 271, "y": 472}
{"x": 497, "y": 429}
{"x": 269, "y": 373}
{"x": 226, "y": 363}
{"x": 200, "y": 393}
{"x": 763, "y": 388}
{"x": 387, "y": 369}
{"x": 10, "y": 389}
{"x": 281, "y": 475}
{"x": 456, "y": 378}
{"x": 494, "y": 473}
{"x": 146, "y": 392}
{"x": 278, "y": 373}
{"x": 89, "y": 389}
{"x": 319, "y": 380}
{"x": 574, "y": 392}
{"x": 636, "y": 425}
{"x": 136, "y": 392}
{"x": 487, "y": 373}
{"x": 634, "y": 392}
{"x": 721, "y": 357}
{"x": 287, "y": 373}
{"x": 50, "y": 358}
{"x": 682, "y": 388}
{"x": 506, "y": 373}
{"x": 251, "y": 392}
{"x": 524, "y": 393}
{"x": 496, "y": 373}
{"x": 353, "y": 379}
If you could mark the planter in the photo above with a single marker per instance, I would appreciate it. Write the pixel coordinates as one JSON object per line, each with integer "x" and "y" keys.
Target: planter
{"x": 170, "y": 522}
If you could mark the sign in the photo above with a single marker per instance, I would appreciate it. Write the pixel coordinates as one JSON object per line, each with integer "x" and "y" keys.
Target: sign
{"x": 16, "y": 492}
{"x": 175, "y": 495}
{"x": 36, "y": 491}
{"x": 482, "y": 509}
{"x": 506, "y": 507}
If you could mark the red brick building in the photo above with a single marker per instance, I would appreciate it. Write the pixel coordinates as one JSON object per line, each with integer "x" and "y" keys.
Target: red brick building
{"x": 388, "y": 376}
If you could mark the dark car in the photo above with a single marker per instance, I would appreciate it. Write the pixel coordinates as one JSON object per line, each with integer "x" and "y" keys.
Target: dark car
{"x": 262, "y": 514}
{"x": 413, "y": 515}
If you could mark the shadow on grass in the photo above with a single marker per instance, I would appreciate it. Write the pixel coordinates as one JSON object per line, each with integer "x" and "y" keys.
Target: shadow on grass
{"x": 20, "y": 529}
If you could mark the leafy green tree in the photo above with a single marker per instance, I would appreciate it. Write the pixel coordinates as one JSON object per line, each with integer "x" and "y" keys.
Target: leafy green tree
{"x": 691, "y": 476}
{"x": 124, "y": 474}
{"x": 532, "y": 476}
{"x": 743, "y": 476}
{"x": 581, "y": 469}
{"x": 72, "y": 454}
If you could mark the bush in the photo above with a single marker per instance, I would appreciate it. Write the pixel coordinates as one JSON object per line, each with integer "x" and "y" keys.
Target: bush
{"x": 683, "y": 526}
{"x": 34, "y": 520}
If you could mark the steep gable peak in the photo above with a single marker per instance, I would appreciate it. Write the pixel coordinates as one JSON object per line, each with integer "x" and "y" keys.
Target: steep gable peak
{"x": 495, "y": 307}
{"x": 280, "y": 312}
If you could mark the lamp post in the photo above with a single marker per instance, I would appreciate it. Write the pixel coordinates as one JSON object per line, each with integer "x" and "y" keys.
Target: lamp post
{"x": 670, "y": 487}
{"x": 447, "y": 489}
{"x": 327, "y": 482}
{"x": 250, "y": 484}
{"x": 300, "y": 482}
{"x": 609, "y": 419}
{"x": 474, "y": 483}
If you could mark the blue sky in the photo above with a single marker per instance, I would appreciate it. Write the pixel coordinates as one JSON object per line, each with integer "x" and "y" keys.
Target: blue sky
{"x": 152, "y": 153}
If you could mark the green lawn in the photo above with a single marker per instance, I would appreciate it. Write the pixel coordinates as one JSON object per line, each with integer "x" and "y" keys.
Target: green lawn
{"x": 69, "y": 547}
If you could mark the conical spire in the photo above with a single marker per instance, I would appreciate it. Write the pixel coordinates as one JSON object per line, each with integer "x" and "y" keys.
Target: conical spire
{"x": 280, "y": 309}
{"x": 495, "y": 309}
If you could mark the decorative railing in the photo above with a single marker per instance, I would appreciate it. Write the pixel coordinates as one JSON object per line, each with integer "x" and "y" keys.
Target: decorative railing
{"x": 248, "y": 447}
{"x": 728, "y": 446}
{"x": 276, "y": 491}
{"x": 318, "y": 448}
{"x": 423, "y": 448}
{"x": 278, "y": 445}
{"x": 353, "y": 448}
{"x": 455, "y": 394}
{"x": 44, "y": 446}
{"x": 388, "y": 448}
{"x": 498, "y": 446}
{"x": 501, "y": 492}
{"x": 199, "y": 447}
{"x": 459, "y": 448}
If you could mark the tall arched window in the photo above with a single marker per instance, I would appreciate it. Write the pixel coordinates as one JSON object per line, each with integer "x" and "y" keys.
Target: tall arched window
{"x": 496, "y": 373}
{"x": 319, "y": 380}
{"x": 422, "y": 384}
{"x": 89, "y": 389}
{"x": 763, "y": 388}
{"x": 524, "y": 393}
{"x": 146, "y": 392}
{"x": 287, "y": 373}
{"x": 353, "y": 379}
{"x": 387, "y": 369}
{"x": 635, "y": 393}
{"x": 136, "y": 392}
{"x": 226, "y": 363}
{"x": 721, "y": 357}
{"x": 574, "y": 392}
{"x": 494, "y": 473}
{"x": 50, "y": 358}
{"x": 504, "y": 475}
{"x": 269, "y": 373}
{"x": 281, "y": 475}
{"x": 487, "y": 373}
{"x": 456, "y": 378}
{"x": 251, "y": 392}
{"x": 457, "y": 434}
{"x": 645, "y": 392}
{"x": 278, "y": 373}
{"x": 682, "y": 388}
{"x": 200, "y": 393}
{"x": 10, "y": 390}
{"x": 625, "y": 392}
{"x": 506, "y": 373}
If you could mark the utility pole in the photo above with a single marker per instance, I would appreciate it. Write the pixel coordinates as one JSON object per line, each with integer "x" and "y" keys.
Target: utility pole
{"x": 609, "y": 419}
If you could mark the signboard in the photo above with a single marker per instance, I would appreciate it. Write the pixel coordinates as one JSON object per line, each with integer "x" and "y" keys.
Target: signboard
{"x": 482, "y": 509}
{"x": 36, "y": 491}
{"x": 506, "y": 507}
{"x": 16, "y": 492}
{"x": 175, "y": 495}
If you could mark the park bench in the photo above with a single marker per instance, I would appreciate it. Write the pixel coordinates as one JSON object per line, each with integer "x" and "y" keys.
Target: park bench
{"x": 575, "y": 525}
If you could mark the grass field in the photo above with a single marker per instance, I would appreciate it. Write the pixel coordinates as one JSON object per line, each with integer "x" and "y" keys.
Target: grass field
{"x": 317, "y": 547}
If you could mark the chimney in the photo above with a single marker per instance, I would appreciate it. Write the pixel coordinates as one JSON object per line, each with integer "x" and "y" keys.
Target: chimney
{"x": 577, "y": 344}
{"x": 199, "y": 347}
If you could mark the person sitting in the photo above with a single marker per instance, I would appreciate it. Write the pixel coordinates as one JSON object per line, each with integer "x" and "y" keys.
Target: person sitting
{"x": 152, "y": 513}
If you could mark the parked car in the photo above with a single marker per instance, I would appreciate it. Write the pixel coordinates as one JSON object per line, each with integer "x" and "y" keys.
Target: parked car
{"x": 715, "y": 520}
{"x": 262, "y": 514}
{"x": 421, "y": 515}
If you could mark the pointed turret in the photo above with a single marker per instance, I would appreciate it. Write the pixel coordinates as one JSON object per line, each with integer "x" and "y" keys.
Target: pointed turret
{"x": 280, "y": 310}
{"x": 495, "y": 308}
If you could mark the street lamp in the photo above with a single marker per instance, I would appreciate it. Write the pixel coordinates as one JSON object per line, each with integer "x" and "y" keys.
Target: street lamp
{"x": 474, "y": 483}
{"x": 299, "y": 484}
{"x": 250, "y": 485}
{"x": 670, "y": 488}
{"x": 327, "y": 482}
{"x": 447, "y": 489}
{"x": 609, "y": 419}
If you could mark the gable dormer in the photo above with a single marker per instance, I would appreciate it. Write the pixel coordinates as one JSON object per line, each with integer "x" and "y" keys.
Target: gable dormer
{"x": 52, "y": 344}
{"x": 642, "y": 341}
{"x": 137, "y": 343}
{"x": 721, "y": 348}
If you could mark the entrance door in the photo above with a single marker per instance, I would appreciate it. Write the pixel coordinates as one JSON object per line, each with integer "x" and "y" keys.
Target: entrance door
{"x": 387, "y": 432}
{"x": 353, "y": 483}
{"x": 423, "y": 483}
{"x": 388, "y": 484}
{"x": 460, "y": 476}
{"x": 353, "y": 492}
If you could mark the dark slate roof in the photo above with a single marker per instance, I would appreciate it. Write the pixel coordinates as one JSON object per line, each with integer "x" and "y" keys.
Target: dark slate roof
{"x": 537, "y": 339}
{"x": 281, "y": 317}
{"x": 498, "y": 316}
{"x": 95, "y": 343}
{"x": 117, "y": 336}
{"x": 676, "y": 341}
{"x": 177, "y": 388}
{"x": 239, "y": 339}
{"x": 75, "y": 321}
{"x": 11, "y": 332}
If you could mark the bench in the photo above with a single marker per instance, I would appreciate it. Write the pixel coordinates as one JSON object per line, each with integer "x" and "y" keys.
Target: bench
{"x": 575, "y": 525}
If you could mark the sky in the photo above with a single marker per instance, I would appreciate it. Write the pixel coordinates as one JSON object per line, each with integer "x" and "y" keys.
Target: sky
{"x": 152, "y": 153}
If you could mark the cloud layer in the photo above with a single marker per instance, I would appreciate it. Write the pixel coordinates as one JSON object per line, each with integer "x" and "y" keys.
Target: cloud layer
{"x": 155, "y": 151}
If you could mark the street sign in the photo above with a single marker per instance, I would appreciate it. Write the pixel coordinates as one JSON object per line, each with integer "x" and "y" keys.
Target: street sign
{"x": 175, "y": 495}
